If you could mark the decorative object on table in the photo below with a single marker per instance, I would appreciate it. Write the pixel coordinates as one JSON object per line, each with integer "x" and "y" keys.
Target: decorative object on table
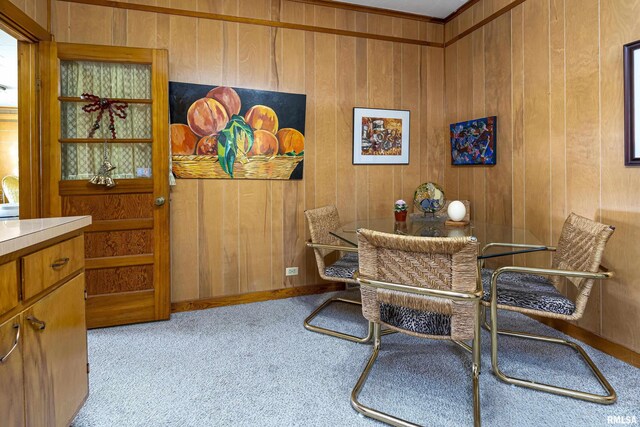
{"x": 457, "y": 213}
{"x": 114, "y": 108}
{"x": 234, "y": 133}
{"x": 632, "y": 104}
{"x": 380, "y": 136}
{"x": 400, "y": 210}
{"x": 474, "y": 142}
{"x": 428, "y": 198}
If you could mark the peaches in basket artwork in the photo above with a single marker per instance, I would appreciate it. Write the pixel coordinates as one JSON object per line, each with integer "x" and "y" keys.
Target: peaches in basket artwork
{"x": 235, "y": 133}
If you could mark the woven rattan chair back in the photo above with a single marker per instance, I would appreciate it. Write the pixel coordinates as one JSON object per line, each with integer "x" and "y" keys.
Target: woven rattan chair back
{"x": 321, "y": 221}
{"x": 580, "y": 247}
{"x": 11, "y": 188}
{"x": 445, "y": 263}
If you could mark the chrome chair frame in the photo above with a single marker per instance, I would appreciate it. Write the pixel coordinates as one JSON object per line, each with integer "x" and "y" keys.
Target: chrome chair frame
{"x": 474, "y": 349}
{"x": 607, "y": 399}
{"x": 332, "y": 332}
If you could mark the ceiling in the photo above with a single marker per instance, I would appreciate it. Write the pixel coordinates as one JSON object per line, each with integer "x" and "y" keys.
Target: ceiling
{"x": 433, "y": 8}
{"x": 8, "y": 70}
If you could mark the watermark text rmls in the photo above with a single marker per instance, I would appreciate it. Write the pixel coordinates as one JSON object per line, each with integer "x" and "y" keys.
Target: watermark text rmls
{"x": 622, "y": 419}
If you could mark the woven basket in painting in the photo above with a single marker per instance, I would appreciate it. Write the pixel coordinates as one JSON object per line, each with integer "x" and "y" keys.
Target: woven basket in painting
{"x": 258, "y": 167}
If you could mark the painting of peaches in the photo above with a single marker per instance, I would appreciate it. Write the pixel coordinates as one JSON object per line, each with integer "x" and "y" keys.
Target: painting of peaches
{"x": 235, "y": 133}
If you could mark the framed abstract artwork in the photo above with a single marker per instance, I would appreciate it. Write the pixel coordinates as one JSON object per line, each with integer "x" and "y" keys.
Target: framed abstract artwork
{"x": 631, "y": 54}
{"x": 474, "y": 142}
{"x": 380, "y": 137}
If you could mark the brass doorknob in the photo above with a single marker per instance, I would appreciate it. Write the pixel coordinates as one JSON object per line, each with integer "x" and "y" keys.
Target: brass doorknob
{"x": 159, "y": 201}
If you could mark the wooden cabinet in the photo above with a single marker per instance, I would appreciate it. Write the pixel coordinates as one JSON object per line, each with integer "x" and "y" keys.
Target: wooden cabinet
{"x": 12, "y": 389}
{"x": 44, "y": 379}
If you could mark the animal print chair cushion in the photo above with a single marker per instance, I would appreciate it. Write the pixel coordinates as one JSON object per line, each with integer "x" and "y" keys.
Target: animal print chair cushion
{"x": 422, "y": 322}
{"x": 343, "y": 268}
{"x": 529, "y": 291}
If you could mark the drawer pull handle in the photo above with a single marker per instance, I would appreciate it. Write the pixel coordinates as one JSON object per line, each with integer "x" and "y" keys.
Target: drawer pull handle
{"x": 35, "y": 322}
{"x": 59, "y": 263}
{"x": 15, "y": 343}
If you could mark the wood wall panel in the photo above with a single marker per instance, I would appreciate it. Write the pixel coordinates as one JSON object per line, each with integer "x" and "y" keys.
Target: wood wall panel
{"x": 35, "y": 9}
{"x": 238, "y": 236}
{"x": 555, "y": 66}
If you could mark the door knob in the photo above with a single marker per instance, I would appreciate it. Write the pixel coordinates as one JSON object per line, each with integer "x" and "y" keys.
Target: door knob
{"x": 159, "y": 201}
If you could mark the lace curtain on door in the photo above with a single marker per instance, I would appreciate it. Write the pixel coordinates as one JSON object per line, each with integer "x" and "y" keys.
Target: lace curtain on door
{"x": 81, "y": 160}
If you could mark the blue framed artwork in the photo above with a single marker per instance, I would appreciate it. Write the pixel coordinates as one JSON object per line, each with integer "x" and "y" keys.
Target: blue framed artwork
{"x": 474, "y": 142}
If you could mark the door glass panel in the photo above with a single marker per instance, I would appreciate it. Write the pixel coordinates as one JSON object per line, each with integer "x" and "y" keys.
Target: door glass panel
{"x": 76, "y": 123}
{"x": 105, "y": 79}
{"x": 115, "y": 81}
{"x": 81, "y": 161}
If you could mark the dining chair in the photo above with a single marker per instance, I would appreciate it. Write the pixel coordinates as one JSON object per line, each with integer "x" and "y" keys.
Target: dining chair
{"x": 533, "y": 291}
{"x": 11, "y": 189}
{"x": 427, "y": 287}
{"x": 321, "y": 222}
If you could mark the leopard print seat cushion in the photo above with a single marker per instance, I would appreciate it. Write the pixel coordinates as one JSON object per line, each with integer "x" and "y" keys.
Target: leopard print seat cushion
{"x": 343, "y": 268}
{"x": 422, "y": 322}
{"x": 529, "y": 291}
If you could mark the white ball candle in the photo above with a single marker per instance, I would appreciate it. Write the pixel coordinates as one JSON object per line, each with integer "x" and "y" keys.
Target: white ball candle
{"x": 456, "y": 210}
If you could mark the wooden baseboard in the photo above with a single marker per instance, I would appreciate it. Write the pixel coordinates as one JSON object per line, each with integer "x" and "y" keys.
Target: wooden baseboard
{"x": 201, "y": 304}
{"x": 612, "y": 349}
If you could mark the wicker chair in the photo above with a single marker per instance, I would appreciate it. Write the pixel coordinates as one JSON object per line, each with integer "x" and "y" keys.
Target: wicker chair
{"x": 11, "y": 189}
{"x": 528, "y": 290}
{"x": 425, "y": 287}
{"x": 321, "y": 222}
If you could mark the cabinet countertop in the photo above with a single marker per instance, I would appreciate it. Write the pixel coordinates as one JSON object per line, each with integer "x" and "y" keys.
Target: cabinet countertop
{"x": 19, "y": 234}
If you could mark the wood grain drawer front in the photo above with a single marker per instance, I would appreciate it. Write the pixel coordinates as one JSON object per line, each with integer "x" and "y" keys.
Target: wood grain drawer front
{"x": 8, "y": 287}
{"x": 55, "y": 356}
{"x": 11, "y": 379}
{"x": 51, "y": 265}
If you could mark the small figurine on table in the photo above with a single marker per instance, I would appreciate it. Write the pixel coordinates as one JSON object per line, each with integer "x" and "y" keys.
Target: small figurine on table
{"x": 400, "y": 210}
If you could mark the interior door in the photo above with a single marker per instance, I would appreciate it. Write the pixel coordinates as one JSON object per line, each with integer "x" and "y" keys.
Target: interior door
{"x": 127, "y": 247}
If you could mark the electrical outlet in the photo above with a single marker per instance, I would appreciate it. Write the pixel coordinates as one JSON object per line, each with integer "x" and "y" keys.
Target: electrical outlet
{"x": 291, "y": 271}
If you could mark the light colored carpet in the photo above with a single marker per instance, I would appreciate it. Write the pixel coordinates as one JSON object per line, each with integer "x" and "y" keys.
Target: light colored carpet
{"x": 255, "y": 365}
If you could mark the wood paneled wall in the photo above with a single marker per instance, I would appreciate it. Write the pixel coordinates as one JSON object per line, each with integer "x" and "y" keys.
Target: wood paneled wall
{"x": 551, "y": 70}
{"x": 38, "y": 10}
{"x": 231, "y": 237}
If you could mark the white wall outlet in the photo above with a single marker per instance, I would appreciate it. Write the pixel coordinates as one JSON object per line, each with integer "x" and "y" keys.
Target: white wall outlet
{"x": 291, "y": 271}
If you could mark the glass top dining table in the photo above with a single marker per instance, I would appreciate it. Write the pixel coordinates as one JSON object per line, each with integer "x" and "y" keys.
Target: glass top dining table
{"x": 435, "y": 226}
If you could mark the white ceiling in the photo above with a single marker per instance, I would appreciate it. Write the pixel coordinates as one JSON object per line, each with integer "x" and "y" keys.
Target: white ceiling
{"x": 433, "y": 8}
{"x": 8, "y": 70}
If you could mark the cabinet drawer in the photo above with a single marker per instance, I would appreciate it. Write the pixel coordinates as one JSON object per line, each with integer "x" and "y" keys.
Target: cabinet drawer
{"x": 11, "y": 377}
{"x": 50, "y": 265}
{"x": 8, "y": 286}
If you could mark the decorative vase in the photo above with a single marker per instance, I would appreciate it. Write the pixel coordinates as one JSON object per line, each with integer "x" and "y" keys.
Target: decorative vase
{"x": 401, "y": 216}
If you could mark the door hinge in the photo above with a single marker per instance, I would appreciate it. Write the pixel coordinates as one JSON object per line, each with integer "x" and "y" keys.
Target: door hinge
{"x": 86, "y": 295}
{"x": 88, "y": 368}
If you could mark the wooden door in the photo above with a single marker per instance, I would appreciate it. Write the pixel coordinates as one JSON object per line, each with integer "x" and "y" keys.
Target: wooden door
{"x": 12, "y": 391}
{"x": 127, "y": 247}
{"x": 55, "y": 356}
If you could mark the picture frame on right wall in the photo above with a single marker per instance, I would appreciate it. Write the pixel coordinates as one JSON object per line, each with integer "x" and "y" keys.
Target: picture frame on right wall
{"x": 631, "y": 53}
{"x": 474, "y": 142}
